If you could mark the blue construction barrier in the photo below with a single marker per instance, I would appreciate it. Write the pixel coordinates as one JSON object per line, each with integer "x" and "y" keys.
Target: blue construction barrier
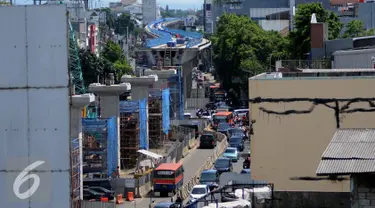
{"x": 112, "y": 154}
{"x": 139, "y": 106}
{"x": 165, "y": 110}
{"x": 143, "y": 144}
{"x": 104, "y": 133}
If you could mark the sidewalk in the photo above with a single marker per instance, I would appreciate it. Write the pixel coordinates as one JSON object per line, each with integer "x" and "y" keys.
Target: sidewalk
{"x": 192, "y": 162}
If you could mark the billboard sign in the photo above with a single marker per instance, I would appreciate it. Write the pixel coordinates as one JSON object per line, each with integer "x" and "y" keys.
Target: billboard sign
{"x": 35, "y": 121}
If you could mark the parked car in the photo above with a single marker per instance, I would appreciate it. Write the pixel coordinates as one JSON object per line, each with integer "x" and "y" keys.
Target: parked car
{"x": 223, "y": 128}
{"x": 237, "y": 142}
{"x": 198, "y": 191}
{"x": 167, "y": 205}
{"x": 89, "y": 194}
{"x": 207, "y": 141}
{"x": 223, "y": 165}
{"x": 232, "y": 154}
{"x": 210, "y": 178}
{"x": 107, "y": 193}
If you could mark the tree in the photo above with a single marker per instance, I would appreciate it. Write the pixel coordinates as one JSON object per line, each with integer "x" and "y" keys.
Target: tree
{"x": 93, "y": 67}
{"x": 124, "y": 22}
{"x": 122, "y": 67}
{"x": 300, "y": 37}
{"x": 112, "y": 51}
{"x": 114, "y": 54}
{"x": 356, "y": 28}
{"x": 242, "y": 48}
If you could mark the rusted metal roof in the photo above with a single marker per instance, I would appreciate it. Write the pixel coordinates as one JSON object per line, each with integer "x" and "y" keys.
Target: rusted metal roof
{"x": 350, "y": 151}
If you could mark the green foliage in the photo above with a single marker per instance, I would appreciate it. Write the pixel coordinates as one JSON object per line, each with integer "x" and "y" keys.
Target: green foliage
{"x": 3, "y": 3}
{"x": 112, "y": 51}
{"x": 124, "y": 21}
{"x": 119, "y": 23}
{"x": 93, "y": 66}
{"x": 122, "y": 67}
{"x": 114, "y": 54}
{"x": 356, "y": 28}
{"x": 300, "y": 37}
{"x": 111, "y": 60}
{"x": 243, "y": 49}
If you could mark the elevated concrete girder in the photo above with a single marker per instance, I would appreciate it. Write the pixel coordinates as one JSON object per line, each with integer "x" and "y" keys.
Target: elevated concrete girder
{"x": 78, "y": 103}
{"x": 110, "y": 104}
{"x": 140, "y": 91}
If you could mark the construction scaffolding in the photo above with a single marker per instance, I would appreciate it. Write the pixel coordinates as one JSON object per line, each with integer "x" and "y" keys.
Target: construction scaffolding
{"x": 99, "y": 145}
{"x": 133, "y": 131}
{"x": 76, "y": 163}
{"x": 155, "y": 127}
{"x": 177, "y": 94}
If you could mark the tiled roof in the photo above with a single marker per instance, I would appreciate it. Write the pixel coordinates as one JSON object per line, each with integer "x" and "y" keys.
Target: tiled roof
{"x": 350, "y": 151}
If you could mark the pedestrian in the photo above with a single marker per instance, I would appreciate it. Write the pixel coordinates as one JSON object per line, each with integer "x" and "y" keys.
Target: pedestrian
{"x": 178, "y": 199}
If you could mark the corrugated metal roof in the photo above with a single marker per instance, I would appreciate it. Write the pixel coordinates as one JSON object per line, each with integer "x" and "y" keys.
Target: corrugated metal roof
{"x": 345, "y": 167}
{"x": 350, "y": 151}
{"x": 351, "y": 143}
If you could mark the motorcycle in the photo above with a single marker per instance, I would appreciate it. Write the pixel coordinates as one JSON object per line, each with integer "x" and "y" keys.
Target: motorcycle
{"x": 246, "y": 164}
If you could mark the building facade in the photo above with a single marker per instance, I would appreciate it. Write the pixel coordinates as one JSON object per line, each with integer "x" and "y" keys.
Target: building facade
{"x": 296, "y": 115}
{"x": 149, "y": 11}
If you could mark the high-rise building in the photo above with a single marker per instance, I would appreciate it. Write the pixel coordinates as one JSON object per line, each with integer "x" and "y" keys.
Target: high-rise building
{"x": 149, "y": 12}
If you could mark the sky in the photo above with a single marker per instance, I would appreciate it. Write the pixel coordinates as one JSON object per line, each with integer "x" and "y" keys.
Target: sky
{"x": 181, "y": 4}
{"x": 172, "y": 4}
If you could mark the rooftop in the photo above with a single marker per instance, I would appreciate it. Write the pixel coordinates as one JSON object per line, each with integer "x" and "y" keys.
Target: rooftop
{"x": 317, "y": 74}
{"x": 350, "y": 151}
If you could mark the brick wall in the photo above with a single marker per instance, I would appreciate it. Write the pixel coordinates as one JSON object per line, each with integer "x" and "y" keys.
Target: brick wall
{"x": 363, "y": 191}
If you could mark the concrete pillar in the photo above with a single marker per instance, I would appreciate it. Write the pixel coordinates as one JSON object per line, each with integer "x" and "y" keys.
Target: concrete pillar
{"x": 78, "y": 103}
{"x": 110, "y": 104}
{"x": 163, "y": 76}
{"x": 140, "y": 90}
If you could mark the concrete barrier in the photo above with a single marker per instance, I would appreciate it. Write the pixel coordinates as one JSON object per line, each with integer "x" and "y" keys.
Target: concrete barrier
{"x": 223, "y": 144}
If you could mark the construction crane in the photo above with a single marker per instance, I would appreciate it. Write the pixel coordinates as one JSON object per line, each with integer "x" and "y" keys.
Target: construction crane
{"x": 75, "y": 64}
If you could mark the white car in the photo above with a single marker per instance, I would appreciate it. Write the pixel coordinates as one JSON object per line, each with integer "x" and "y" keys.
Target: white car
{"x": 198, "y": 191}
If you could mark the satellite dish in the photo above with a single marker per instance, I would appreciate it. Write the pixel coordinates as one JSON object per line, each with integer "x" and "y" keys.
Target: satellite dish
{"x": 313, "y": 18}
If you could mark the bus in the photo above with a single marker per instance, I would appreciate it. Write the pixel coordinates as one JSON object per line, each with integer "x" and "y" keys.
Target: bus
{"x": 222, "y": 117}
{"x": 168, "y": 178}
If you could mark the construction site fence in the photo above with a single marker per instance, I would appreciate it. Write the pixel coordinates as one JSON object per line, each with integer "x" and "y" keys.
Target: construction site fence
{"x": 100, "y": 137}
{"x": 219, "y": 149}
{"x": 175, "y": 152}
{"x": 97, "y": 204}
{"x": 140, "y": 107}
{"x": 196, "y": 103}
{"x": 76, "y": 168}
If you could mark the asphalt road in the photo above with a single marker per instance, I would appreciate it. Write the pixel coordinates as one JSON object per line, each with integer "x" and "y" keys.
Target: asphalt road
{"x": 237, "y": 167}
{"x": 192, "y": 162}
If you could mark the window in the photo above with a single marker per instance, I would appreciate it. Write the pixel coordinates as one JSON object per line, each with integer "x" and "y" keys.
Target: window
{"x": 164, "y": 174}
{"x": 230, "y": 151}
{"x": 199, "y": 191}
{"x": 222, "y": 163}
{"x": 208, "y": 176}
